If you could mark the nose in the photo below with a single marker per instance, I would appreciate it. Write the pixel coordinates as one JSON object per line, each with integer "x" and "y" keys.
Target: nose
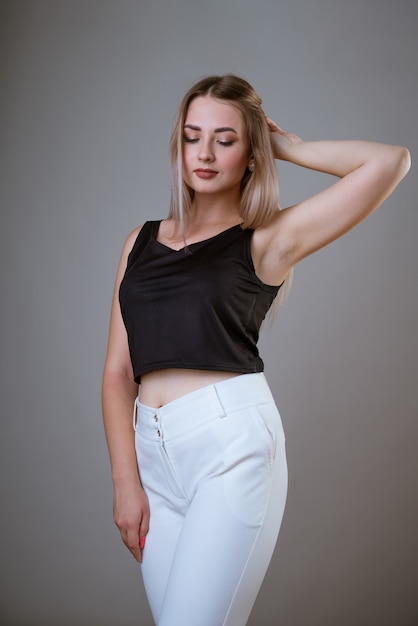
{"x": 206, "y": 153}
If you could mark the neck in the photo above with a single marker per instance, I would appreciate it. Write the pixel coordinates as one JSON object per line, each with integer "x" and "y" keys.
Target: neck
{"x": 212, "y": 209}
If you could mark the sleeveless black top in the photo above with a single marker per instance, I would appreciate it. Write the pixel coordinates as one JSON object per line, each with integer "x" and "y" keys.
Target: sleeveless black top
{"x": 200, "y": 307}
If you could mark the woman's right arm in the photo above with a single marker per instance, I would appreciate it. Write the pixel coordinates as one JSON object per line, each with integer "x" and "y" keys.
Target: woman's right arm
{"x": 130, "y": 503}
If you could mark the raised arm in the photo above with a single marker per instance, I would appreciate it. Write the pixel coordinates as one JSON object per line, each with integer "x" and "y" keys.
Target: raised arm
{"x": 130, "y": 504}
{"x": 368, "y": 173}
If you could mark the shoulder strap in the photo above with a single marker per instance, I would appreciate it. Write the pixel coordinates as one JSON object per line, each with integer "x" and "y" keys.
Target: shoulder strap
{"x": 145, "y": 235}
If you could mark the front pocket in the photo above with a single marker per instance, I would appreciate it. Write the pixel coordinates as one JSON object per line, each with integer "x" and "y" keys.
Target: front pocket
{"x": 247, "y": 465}
{"x": 269, "y": 422}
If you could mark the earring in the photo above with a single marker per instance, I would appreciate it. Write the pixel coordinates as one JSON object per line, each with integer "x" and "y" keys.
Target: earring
{"x": 251, "y": 166}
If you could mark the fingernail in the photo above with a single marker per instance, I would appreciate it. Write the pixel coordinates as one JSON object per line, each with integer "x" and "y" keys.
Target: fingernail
{"x": 142, "y": 542}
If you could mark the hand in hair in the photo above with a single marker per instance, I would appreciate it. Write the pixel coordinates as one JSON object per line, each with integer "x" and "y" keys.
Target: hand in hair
{"x": 281, "y": 140}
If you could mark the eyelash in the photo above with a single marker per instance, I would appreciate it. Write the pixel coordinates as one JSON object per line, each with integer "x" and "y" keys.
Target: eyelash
{"x": 221, "y": 143}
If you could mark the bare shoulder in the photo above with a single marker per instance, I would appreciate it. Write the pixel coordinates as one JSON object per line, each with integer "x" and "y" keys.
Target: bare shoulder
{"x": 132, "y": 236}
{"x": 127, "y": 247}
{"x": 130, "y": 240}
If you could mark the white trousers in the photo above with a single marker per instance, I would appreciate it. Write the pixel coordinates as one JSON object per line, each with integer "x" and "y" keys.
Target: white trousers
{"x": 213, "y": 465}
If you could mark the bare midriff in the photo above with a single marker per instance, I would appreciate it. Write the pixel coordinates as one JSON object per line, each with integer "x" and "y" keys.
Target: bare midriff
{"x": 163, "y": 386}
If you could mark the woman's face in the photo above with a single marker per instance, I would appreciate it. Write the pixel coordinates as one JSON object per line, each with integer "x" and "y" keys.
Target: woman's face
{"x": 215, "y": 147}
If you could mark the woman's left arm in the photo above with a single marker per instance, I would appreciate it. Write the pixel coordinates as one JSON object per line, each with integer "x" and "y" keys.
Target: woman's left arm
{"x": 368, "y": 173}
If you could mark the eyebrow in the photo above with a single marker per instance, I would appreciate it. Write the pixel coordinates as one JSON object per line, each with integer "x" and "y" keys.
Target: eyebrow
{"x": 222, "y": 129}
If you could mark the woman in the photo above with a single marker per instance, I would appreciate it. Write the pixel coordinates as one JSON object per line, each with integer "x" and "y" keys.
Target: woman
{"x": 200, "y": 484}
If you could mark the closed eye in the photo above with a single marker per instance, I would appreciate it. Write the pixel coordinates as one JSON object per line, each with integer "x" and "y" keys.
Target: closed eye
{"x": 196, "y": 139}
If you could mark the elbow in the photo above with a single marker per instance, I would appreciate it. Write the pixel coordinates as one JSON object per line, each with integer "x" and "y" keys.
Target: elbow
{"x": 402, "y": 161}
{"x": 116, "y": 380}
{"x": 394, "y": 165}
{"x": 406, "y": 159}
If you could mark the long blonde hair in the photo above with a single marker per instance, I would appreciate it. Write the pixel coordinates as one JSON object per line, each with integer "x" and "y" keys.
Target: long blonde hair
{"x": 260, "y": 187}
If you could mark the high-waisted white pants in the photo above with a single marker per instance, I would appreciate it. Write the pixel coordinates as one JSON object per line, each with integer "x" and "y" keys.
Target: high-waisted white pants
{"x": 213, "y": 465}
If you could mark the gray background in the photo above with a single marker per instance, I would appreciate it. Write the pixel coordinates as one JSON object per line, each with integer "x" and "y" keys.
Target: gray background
{"x": 88, "y": 93}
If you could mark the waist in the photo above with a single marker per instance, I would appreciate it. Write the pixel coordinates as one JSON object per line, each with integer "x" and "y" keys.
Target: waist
{"x": 160, "y": 387}
{"x": 205, "y": 404}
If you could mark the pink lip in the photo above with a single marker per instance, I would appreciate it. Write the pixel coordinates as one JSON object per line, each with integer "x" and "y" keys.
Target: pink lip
{"x": 205, "y": 173}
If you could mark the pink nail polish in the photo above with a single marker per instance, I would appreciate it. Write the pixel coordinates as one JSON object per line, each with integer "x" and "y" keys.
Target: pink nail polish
{"x": 142, "y": 542}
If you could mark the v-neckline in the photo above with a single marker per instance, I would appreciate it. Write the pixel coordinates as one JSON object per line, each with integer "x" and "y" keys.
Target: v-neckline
{"x": 194, "y": 243}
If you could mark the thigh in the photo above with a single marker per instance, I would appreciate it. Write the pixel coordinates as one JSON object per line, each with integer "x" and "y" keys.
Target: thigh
{"x": 231, "y": 527}
{"x": 168, "y": 507}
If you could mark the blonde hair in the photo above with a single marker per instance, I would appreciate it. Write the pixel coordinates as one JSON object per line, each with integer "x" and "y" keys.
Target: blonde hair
{"x": 259, "y": 188}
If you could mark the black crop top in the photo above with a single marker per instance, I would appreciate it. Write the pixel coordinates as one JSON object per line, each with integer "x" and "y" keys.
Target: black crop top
{"x": 200, "y": 307}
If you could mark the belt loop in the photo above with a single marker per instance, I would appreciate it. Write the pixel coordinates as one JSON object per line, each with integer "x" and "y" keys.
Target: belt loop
{"x": 135, "y": 413}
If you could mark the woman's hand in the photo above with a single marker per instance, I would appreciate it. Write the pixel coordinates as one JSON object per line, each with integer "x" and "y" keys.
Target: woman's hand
{"x": 282, "y": 142}
{"x": 131, "y": 515}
